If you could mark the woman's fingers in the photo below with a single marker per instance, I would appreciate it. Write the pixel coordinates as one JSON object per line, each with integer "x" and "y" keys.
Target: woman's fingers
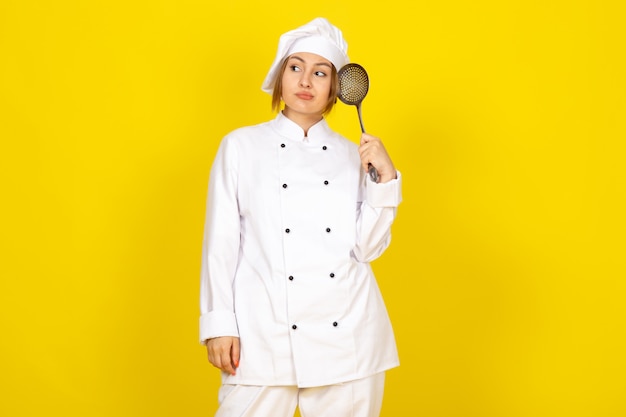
{"x": 372, "y": 151}
{"x": 223, "y": 353}
{"x": 235, "y": 352}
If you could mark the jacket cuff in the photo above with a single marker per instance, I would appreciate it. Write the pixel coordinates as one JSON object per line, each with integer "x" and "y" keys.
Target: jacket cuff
{"x": 218, "y": 323}
{"x": 388, "y": 194}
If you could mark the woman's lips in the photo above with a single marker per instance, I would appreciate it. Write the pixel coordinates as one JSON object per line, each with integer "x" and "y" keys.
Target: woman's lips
{"x": 304, "y": 96}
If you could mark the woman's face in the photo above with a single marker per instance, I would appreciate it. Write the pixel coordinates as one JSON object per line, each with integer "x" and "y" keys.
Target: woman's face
{"x": 306, "y": 84}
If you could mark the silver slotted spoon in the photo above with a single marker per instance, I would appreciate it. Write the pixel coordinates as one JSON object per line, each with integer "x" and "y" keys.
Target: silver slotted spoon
{"x": 353, "y": 87}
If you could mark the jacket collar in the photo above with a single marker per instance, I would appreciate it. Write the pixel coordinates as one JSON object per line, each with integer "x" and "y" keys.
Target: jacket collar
{"x": 290, "y": 130}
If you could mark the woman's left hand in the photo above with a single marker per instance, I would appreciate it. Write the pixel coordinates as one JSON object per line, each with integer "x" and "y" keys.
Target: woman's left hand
{"x": 373, "y": 152}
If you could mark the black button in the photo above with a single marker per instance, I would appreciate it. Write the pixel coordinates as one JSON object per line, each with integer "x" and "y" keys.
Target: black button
{"x": 325, "y": 182}
{"x": 290, "y": 277}
{"x": 324, "y": 147}
{"x": 332, "y": 275}
{"x": 335, "y": 324}
{"x": 294, "y": 327}
{"x": 282, "y": 145}
{"x": 328, "y": 230}
{"x": 284, "y": 185}
{"x": 287, "y": 230}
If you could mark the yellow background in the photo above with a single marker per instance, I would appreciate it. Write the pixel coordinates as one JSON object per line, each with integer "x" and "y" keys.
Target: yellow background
{"x": 505, "y": 279}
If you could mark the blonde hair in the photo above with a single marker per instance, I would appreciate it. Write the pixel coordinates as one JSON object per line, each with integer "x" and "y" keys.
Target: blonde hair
{"x": 278, "y": 88}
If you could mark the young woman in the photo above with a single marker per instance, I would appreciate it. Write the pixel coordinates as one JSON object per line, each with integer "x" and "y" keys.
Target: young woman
{"x": 290, "y": 309}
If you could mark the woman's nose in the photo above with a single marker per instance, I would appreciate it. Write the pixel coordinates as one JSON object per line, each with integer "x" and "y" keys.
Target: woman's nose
{"x": 305, "y": 81}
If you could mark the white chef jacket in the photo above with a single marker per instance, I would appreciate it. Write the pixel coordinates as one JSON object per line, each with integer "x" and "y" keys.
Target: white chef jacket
{"x": 291, "y": 226}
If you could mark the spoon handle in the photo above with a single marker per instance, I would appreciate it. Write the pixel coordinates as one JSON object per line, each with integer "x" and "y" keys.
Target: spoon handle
{"x": 370, "y": 168}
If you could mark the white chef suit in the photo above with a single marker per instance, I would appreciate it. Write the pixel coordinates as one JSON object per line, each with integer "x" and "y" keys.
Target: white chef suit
{"x": 291, "y": 226}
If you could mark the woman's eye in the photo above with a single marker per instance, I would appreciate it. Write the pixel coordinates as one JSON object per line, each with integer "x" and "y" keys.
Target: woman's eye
{"x": 295, "y": 68}
{"x": 320, "y": 73}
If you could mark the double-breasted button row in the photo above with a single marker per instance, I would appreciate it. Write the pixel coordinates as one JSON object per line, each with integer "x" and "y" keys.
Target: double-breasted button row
{"x": 282, "y": 145}
{"x": 325, "y": 183}
{"x": 291, "y": 278}
{"x": 294, "y": 327}
{"x": 328, "y": 230}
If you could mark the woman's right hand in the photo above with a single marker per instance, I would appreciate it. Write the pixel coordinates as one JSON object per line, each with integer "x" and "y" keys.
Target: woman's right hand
{"x": 224, "y": 353}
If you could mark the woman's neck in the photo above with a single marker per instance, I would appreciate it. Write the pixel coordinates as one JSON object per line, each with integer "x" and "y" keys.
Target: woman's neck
{"x": 305, "y": 121}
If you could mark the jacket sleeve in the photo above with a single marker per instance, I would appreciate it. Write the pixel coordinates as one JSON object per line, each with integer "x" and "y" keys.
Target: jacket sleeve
{"x": 220, "y": 246}
{"x": 375, "y": 215}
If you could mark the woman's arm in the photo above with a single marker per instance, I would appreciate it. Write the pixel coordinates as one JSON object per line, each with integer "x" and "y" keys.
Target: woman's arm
{"x": 377, "y": 210}
{"x": 220, "y": 249}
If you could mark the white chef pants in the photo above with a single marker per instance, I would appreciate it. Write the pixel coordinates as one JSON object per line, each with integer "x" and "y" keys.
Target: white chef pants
{"x": 360, "y": 398}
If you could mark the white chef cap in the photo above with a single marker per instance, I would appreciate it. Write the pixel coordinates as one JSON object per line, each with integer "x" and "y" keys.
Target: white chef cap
{"x": 319, "y": 37}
